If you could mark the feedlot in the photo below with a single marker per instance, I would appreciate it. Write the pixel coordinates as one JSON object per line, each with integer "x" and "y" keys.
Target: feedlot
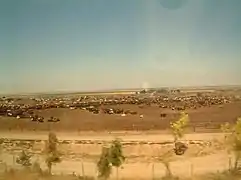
{"x": 147, "y": 111}
{"x": 83, "y": 124}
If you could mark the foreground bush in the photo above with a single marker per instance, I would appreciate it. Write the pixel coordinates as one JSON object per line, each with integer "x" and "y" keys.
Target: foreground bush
{"x": 177, "y": 129}
{"x": 116, "y": 156}
{"x": 233, "y": 142}
{"x": 104, "y": 165}
{"x": 52, "y": 153}
{"x": 110, "y": 157}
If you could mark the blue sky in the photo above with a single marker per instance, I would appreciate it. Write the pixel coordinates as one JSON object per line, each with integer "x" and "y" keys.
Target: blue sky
{"x": 79, "y": 45}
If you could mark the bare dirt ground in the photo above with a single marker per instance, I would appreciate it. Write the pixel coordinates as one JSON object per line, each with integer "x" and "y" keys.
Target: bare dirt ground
{"x": 80, "y": 120}
{"x": 140, "y": 149}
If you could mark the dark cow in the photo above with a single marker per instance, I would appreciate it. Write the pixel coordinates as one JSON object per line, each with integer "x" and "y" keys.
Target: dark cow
{"x": 118, "y": 111}
{"x": 180, "y": 108}
{"x": 41, "y": 119}
{"x": 163, "y": 115}
{"x": 108, "y": 111}
{"x": 36, "y": 118}
{"x": 93, "y": 109}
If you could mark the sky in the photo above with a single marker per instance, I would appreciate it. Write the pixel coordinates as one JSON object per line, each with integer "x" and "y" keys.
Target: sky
{"x": 91, "y": 45}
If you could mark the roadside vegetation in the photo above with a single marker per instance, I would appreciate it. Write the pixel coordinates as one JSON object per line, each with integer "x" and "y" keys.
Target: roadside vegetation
{"x": 51, "y": 151}
{"x": 112, "y": 158}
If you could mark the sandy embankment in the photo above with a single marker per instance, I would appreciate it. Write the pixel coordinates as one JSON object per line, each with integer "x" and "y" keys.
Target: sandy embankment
{"x": 140, "y": 170}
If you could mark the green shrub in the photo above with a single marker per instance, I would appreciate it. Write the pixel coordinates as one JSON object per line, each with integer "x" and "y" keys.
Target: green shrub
{"x": 52, "y": 153}
{"x": 233, "y": 141}
{"x": 178, "y": 126}
{"x": 104, "y": 165}
{"x": 116, "y": 156}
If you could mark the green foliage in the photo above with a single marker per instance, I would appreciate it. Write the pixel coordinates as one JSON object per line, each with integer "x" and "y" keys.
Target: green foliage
{"x": 177, "y": 129}
{"x": 116, "y": 153}
{"x": 233, "y": 140}
{"x": 104, "y": 165}
{"x": 110, "y": 156}
{"x": 178, "y": 126}
{"x": 24, "y": 159}
{"x": 52, "y": 153}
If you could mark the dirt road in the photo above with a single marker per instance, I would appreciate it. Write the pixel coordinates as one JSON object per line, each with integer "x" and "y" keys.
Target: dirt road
{"x": 129, "y": 136}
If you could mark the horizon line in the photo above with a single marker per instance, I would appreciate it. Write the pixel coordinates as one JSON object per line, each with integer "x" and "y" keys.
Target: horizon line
{"x": 116, "y": 90}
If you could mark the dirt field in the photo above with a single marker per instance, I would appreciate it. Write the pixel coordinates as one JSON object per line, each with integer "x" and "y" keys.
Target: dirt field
{"x": 140, "y": 150}
{"x": 80, "y": 120}
{"x": 82, "y": 135}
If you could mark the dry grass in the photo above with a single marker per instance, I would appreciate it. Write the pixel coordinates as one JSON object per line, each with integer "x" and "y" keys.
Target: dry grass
{"x": 26, "y": 174}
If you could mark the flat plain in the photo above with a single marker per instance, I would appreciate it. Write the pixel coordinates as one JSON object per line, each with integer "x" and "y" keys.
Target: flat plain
{"x": 145, "y": 133}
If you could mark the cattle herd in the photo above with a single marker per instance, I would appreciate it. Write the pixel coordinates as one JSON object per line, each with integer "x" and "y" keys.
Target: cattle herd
{"x": 97, "y": 104}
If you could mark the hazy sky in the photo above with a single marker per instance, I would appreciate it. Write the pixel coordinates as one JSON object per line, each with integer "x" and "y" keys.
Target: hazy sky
{"x": 54, "y": 45}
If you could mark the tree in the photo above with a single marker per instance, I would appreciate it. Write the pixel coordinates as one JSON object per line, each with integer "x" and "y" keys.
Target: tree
{"x": 116, "y": 155}
{"x": 177, "y": 129}
{"x": 52, "y": 153}
{"x": 24, "y": 159}
{"x": 104, "y": 165}
{"x": 178, "y": 126}
{"x": 233, "y": 140}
